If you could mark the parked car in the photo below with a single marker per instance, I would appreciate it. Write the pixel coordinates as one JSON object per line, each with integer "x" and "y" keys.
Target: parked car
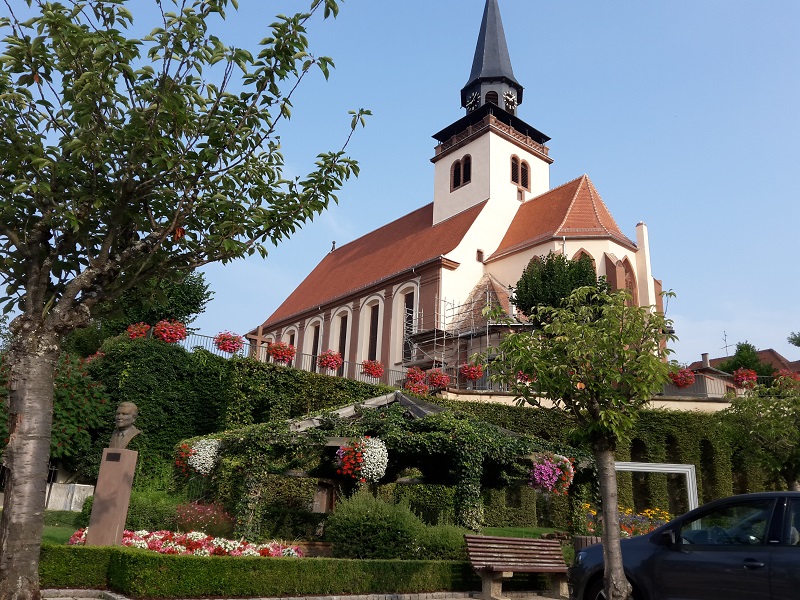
{"x": 744, "y": 547}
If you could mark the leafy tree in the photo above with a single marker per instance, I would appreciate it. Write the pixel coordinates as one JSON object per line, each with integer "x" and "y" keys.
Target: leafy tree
{"x": 549, "y": 280}
{"x": 5, "y": 333}
{"x": 125, "y": 160}
{"x": 794, "y": 338}
{"x": 746, "y": 357}
{"x": 181, "y": 298}
{"x": 769, "y": 417}
{"x": 597, "y": 360}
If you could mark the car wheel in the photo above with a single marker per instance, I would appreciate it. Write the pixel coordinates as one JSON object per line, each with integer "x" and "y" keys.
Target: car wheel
{"x": 596, "y": 592}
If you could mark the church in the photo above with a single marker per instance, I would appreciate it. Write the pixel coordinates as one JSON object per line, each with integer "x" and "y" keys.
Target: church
{"x": 411, "y": 293}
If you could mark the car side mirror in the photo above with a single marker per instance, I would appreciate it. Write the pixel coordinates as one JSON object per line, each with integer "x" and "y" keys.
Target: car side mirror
{"x": 668, "y": 538}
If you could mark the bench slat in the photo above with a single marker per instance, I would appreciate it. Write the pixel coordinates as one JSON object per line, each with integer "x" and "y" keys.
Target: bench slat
{"x": 524, "y": 555}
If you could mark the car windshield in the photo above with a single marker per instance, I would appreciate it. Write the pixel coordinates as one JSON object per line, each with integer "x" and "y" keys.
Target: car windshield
{"x": 740, "y": 523}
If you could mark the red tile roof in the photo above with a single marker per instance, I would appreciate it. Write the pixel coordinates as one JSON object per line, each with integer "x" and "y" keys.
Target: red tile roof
{"x": 768, "y": 356}
{"x": 392, "y": 249}
{"x": 572, "y": 210}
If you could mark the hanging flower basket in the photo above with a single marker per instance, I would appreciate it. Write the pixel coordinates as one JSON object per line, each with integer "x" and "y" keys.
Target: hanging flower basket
{"x": 745, "y": 378}
{"x": 471, "y": 372}
{"x": 437, "y": 379}
{"x": 330, "y": 360}
{"x": 228, "y": 342}
{"x": 683, "y": 378}
{"x": 372, "y": 368}
{"x": 551, "y": 473}
{"x": 138, "y": 330}
{"x": 364, "y": 459}
{"x": 170, "y": 331}
{"x": 281, "y": 352}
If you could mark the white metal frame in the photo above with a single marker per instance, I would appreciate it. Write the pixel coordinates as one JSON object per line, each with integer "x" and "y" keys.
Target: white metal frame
{"x": 687, "y": 470}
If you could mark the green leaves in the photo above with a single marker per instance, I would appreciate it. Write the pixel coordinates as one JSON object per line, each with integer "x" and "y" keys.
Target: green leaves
{"x": 105, "y": 158}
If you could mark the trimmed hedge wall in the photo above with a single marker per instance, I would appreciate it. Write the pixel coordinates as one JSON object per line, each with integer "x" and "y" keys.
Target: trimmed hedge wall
{"x": 140, "y": 574}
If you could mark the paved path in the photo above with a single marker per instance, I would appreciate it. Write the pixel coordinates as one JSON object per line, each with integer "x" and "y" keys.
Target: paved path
{"x": 105, "y": 595}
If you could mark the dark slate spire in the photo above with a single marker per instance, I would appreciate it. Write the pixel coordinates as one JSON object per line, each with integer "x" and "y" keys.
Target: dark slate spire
{"x": 491, "y": 68}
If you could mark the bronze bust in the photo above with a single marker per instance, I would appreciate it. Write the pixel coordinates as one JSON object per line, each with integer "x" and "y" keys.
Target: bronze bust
{"x": 124, "y": 431}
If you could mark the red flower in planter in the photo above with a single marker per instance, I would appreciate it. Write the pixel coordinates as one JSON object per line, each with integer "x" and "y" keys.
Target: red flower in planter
{"x": 138, "y": 330}
{"x": 330, "y": 359}
{"x": 437, "y": 379}
{"x": 470, "y": 371}
{"x": 746, "y": 378}
{"x": 683, "y": 378}
{"x": 170, "y": 331}
{"x": 372, "y": 368}
{"x": 281, "y": 352}
{"x": 228, "y": 342}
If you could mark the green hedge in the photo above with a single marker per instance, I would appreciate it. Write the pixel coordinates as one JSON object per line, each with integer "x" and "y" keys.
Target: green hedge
{"x": 143, "y": 574}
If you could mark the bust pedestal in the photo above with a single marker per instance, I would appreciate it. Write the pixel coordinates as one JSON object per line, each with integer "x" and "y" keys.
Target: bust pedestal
{"x": 112, "y": 495}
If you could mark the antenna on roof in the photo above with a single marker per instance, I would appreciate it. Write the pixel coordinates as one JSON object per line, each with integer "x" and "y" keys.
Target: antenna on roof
{"x": 725, "y": 341}
{"x": 333, "y": 245}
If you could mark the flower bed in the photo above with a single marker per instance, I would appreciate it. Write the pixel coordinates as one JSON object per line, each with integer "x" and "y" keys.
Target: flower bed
{"x": 630, "y": 522}
{"x": 195, "y": 543}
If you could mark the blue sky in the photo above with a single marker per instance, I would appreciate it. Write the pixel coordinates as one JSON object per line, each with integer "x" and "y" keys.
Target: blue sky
{"x": 684, "y": 113}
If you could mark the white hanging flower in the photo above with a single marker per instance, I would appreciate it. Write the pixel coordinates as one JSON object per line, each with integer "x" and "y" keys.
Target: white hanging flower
{"x": 376, "y": 458}
{"x": 205, "y": 455}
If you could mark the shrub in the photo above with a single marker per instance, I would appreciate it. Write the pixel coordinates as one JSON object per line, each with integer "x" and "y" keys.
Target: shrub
{"x": 443, "y": 542}
{"x": 212, "y": 519}
{"x": 151, "y": 510}
{"x": 366, "y": 527}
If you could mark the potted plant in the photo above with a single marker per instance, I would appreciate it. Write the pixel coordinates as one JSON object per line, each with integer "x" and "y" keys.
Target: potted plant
{"x": 471, "y": 371}
{"x": 281, "y": 352}
{"x": 372, "y": 368}
{"x": 138, "y": 330}
{"x": 415, "y": 382}
{"x": 330, "y": 360}
{"x": 170, "y": 331}
{"x": 228, "y": 342}
{"x": 437, "y": 379}
{"x": 682, "y": 378}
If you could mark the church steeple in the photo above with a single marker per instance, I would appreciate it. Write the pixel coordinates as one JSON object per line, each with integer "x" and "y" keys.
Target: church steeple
{"x": 492, "y": 78}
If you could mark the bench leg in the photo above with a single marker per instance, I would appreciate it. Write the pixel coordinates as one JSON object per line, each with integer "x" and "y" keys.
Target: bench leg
{"x": 492, "y": 583}
{"x": 558, "y": 586}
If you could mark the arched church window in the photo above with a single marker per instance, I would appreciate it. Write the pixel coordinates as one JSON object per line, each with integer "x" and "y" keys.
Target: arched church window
{"x": 456, "y": 174}
{"x": 524, "y": 178}
{"x": 461, "y": 172}
{"x": 515, "y": 170}
{"x": 492, "y": 98}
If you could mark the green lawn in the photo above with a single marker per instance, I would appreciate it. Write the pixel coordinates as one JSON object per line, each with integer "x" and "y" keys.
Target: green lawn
{"x": 522, "y": 532}
{"x": 57, "y": 535}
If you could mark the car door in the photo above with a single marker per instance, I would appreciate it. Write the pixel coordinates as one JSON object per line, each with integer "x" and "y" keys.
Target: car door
{"x": 785, "y": 564}
{"x": 720, "y": 554}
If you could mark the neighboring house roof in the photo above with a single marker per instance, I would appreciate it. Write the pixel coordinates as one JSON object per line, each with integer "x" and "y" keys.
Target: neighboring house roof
{"x": 768, "y": 356}
{"x": 408, "y": 242}
{"x": 573, "y": 210}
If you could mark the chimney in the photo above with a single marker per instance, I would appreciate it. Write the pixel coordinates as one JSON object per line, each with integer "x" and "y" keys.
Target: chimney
{"x": 704, "y": 358}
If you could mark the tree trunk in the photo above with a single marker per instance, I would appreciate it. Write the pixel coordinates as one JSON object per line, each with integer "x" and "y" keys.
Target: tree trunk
{"x": 30, "y": 414}
{"x": 616, "y": 584}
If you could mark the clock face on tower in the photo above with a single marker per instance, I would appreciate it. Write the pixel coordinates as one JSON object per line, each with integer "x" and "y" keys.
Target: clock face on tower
{"x": 510, "y": 100}
{"x": 473, "y": 101}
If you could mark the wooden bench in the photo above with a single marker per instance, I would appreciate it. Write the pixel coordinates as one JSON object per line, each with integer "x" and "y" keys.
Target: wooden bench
{"x": 498, "y": 558}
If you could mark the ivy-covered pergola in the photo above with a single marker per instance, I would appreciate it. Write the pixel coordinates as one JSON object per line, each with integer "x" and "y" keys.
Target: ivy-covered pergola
{"x": 446, "y": 446}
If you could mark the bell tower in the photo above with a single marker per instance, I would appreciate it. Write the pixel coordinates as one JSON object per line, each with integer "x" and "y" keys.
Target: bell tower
{"x": 490, "y": 153}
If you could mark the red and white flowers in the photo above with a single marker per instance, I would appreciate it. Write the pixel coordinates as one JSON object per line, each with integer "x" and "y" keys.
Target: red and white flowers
{"x": 330, "y": 360}
{"x": 194, "y": 542}
{"x": 364, "y": 459}
{"x": 229, "y": 342}
{"x": 170, "y": 331}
